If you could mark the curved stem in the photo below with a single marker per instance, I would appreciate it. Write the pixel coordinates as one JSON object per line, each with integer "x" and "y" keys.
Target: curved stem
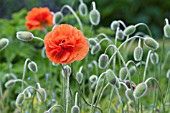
{"x": 143, "y": 24}
{"x": 94, "y": 5}
{"x": 111, "y": 95}
{"x": 75, "y": 15}
{"x": 56, "y": 106}
{"x": 123, "y": 24}
{"x": 38, "y": 38}
{"x": 24, "y": 72}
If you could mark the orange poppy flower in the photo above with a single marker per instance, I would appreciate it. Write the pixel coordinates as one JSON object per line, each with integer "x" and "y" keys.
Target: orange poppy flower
{"x": 37, "y": 18}
{"x": 65, "y": 44}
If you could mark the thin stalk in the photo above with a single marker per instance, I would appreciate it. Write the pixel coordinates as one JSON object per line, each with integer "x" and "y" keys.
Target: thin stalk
{"x": 2, "y": 100}
{"x": 111, "y": 95}
{"x": 143, "y": 24}
{"x": 67, "y": 93}
{"x": 56, "y": 106}
{"x": 24, "y": 72}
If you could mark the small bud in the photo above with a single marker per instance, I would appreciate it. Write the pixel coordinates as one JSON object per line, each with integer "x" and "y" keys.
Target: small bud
{"x": 66, "y": 71}
{"x": 123, "y": 73}
{"x": 83, "y": 9}
{"x": 58, "y": 17}
{"x": 24, "y": 35}
{"x": 132, "y": 70}
{"x": 129, "y": 95}
{"x": 79, "y": 77}
{"x": 94, "y": 15}
{"x": 20, "y": 99}
{"x": 167, "y": 29}
{"x": 140, "y": 90}
{"x": 138, "y": 54}
{"x": 95, "y": 49}
{"x": 90, "y": 67}
{"x": 127, "y": 82}
{"x": 10, "y": 83}
{"x": 151, "y": 43}
{"x": 3, "y": 43}
{"x": 154, "y": 58}
{"x": 119, "y": 34}
{"x": 129, "y": 30}
{"x": 33, "y": 67}
{"x": 168, "y": 74}
{"x": 111, "y": 77}
{"x": 93, "y": 78}
{"x": 114, "y": 25}
{"x": 103, "y": 61}
{"x": 41, "y": 94}
{"x": 92, "y": 42}
{"x": 75, "y": 109}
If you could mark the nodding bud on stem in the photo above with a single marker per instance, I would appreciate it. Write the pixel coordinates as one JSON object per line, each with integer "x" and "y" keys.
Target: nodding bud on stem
{"x": 83, "y": 10}
{"x": 3, "y": 43}
{"x": 151, "y": 43}
{"x": 41, "y": 94}
{"x": 92, "y": 42}
{"x": 132, "y": 70}
{"x": 138, "y": 53}
{"x": 119, "y": 34}
{"x": 154, "y": 58}
{"x": 114, "y": 25}
{"x": 33, "y": 67}
{"x": 95, "y": 49}
{"x": 10, "y": 83}
{"x": 75, "y": 109}
{"x": 90, "y": 67}
{"x": 58, "y": 17}
{"x": 24, "y": 35}
{"x": 129, "y": 95}
{"x": 129, "y": 30}
{"x": 66, "y": 71}
{"x": 20, "y": 99}
{"x": 94, "y": 15}
{"x": 123, "y": 73}
{"x": 167, "y": 29}
{"x": 93, "y": 78}
{"x": 168, "y": 74}
{"x": 103, "y": 61}
{"x": 140, "y": 90}
{"x": 79, "y": 77}
{"x": 111, "y": 77}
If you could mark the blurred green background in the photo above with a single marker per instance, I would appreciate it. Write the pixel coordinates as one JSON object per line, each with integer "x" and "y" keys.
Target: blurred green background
{"x": 151, "y": 12}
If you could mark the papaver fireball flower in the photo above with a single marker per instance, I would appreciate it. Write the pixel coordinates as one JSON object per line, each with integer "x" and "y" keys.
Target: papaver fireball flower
{"x": 65, "y": 44}
{"x": 38, "y": 18}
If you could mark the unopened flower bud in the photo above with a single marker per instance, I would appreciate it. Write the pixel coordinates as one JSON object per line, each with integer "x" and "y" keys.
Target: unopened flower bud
{"x": 132, "y": 70}
{"x": 3, "y": 43}
{"x": 94, "y": 15}
{"x": 119, "y": 34}
{"x": 75, "y": 109}
{"x": 41, "y": 94}
{"x": 58, "y": 17}
{"x": 130, "y": 84}
{"x": 167, "y": 29}
{"x": 83, "y": 10}
{"x": 20, "y": 99}
{"x": 79, "y": 77}
{"x": 138, "y": 53}
{"x": 114, "y": 25}
{"x": 168, "y": 74}
{"x": 151, "y": 43}
{"x": 111, "y": 77}
{"x": 92, "y": 42}
{"x": 95, "y": 49}
{"x": 24, "y": 35}
{"x": 66, "y": 71}
{"x": 103, "y": 61}
{"x": 10, "y": 83}
{"x": 129, "y": 95}
{"x": 154, "y": 58}
{"x": 123, "y": 73}
{"x": 93, "y": 78}
{"x": 140, "y": 90}
{"x": 129, "y": 30}
{"x": 32, "y": 66}
{"x": 90, "y": 67}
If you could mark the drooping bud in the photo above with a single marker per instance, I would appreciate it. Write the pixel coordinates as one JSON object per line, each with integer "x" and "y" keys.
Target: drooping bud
{"x": 167, "y": 29}
{"x": 103, "y": 61}
{"x": 90, "y": 67}
{"x": 123, "y": 73}
{"x": 93, "y": 78}
{"x": 10, "y": 83}
{"x": 3, "y": 43}
{"x": 58, "y": 17}
{"x": 95, "y": 49}
{"x": 132, "y": 70}
{"x": 129, "y": 95}
{"x": 129, "y": 30}
{"x": 138, "y": 54}
{"x": 66, "y": 71}
{"x": 24, "y": 35}
{"x": 151, "y": 43}
{"x": 75, "y": 109}
{"x": 92, "y": 41}
{"x": 41, "y": 94}
{"x": 119, "y": 34}
{"x": 168, "y": 74}
{"x": 111, "y": 77}
{"x": 20, "y": 99}
{"x": 33, "y": 67}
{"x": 83, "y": 10}
{"x": 154, "y": 58}
{"x": 140, "y": 90}
{"x": 79, "y": 77}
{"x": 114, "y": 25}
{"x": 94, "y": 15}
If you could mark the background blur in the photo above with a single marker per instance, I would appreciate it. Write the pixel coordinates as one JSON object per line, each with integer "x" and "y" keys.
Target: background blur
{"x": 151, "y": 12}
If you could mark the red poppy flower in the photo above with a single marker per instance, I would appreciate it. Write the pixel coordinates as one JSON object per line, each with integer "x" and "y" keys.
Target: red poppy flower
{"x": 65, "y": 44}
{"x": 37, "y": 18}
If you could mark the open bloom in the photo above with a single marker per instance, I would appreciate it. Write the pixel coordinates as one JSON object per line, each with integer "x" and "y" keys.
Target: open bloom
{"x": 37, "y": 18}
{"x": 65, "y": 44}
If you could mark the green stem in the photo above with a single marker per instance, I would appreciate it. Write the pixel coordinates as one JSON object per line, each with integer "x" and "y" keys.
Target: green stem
{"x": 143, "y": 24}
{"x": 2, "y": 101}
{"x": 24, "y": 72}
{"x": 111, "y": 95}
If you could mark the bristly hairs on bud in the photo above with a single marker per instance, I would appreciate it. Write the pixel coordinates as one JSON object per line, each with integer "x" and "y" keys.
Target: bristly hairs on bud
{"x": 66, "y": 71}
{"x": 94, "y": 15}
{"x": 154, "y": 58}
{"x": 140, "y": 90}
{"x": 12, "y": 82}
{"x": 41, "y": 94}
{"x": 95, "y": 49}
{"x": 92, "y": 42}
{"x": 119, "y": 34}
{"x": 151, "y": 43}
{"x": 58, "y": 17}
{"x": 79, "y": 75}
{"x": 20, "y": 99}
{"x": 129, "y": 30}
{"x": 24, "y": 35}
{"x": 114, "y": 25}
{"x": 103, "y": 61}
{"x": 167, "y": 29}
{"x": 83, "y": 10}
{"x": 33, "y": 67}
{"x": 3, "y": 43}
